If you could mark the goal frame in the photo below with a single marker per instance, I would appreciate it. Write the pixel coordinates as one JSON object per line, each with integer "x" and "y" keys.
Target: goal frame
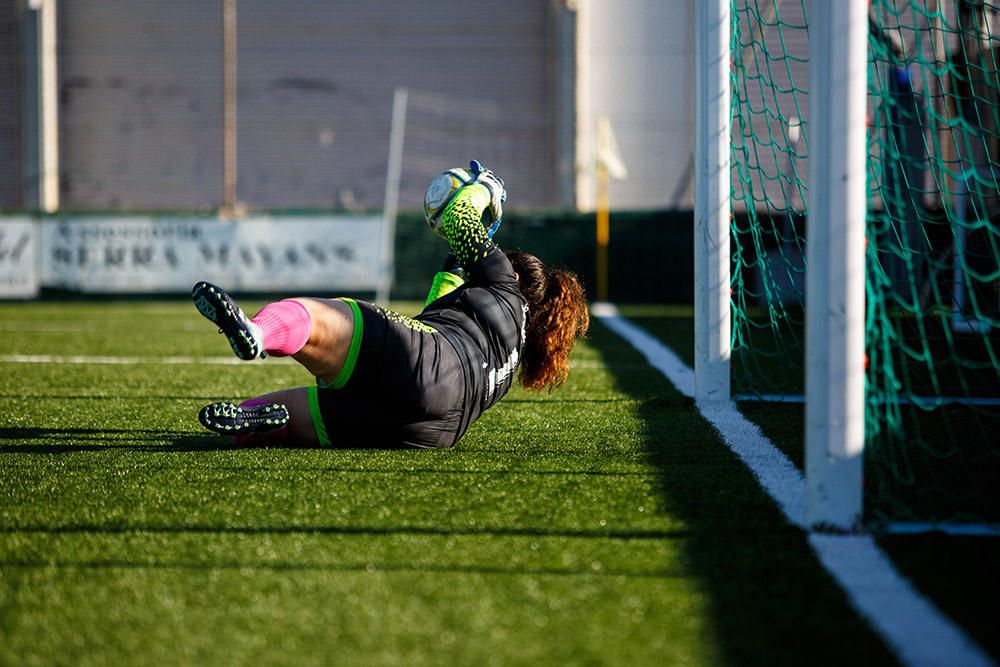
{"x": 835, "y": 245}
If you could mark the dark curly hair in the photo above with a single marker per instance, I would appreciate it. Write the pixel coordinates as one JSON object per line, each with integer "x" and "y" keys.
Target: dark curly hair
{"x": 557, "y": 316}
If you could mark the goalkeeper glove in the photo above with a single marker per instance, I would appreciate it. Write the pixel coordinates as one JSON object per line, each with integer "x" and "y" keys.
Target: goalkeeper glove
{"x": 498, "y": 195}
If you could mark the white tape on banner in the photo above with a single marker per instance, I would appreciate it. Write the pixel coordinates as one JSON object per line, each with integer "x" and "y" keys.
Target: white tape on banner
{"x": 144, "y": 254}
{"x": 18, "y": 258}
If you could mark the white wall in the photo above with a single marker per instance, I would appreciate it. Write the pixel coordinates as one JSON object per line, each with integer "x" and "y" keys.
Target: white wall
{"x": 635, "y": 64}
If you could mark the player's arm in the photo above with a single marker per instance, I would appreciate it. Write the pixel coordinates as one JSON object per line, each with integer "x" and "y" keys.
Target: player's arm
{"x": 462, "y": 225}
{"x": 463, "y": 219}
{"x": 447, "y": 280}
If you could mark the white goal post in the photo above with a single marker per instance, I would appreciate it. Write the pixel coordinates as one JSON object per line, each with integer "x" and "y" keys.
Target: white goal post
{"x": 835, "y": 267}
{"x": 835, "y": 264}
{"x": 712, "y": 201}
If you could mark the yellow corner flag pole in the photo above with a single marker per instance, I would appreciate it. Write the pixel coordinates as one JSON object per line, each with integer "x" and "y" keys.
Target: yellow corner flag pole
{"x": 603, "y": 231}
{"x": 609, "y": 165}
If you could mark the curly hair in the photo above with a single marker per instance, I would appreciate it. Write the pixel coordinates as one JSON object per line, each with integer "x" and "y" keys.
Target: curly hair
{"x": 557, "y": 316}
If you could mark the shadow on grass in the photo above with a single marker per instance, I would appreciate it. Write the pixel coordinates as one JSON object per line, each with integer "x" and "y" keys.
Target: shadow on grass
{"x": 770, "y": 602}
{"x": 344, "y": 567}
{"x": 74, "y": 440}
{"x": 52, "y": 441}
{"x": 431, "y": 531}
{"x": 55, "y": 441}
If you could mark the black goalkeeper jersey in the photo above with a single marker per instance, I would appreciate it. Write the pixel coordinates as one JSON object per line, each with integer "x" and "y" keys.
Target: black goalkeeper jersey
{"x": 422, "y": 381}
{"x": 484, "y": 320}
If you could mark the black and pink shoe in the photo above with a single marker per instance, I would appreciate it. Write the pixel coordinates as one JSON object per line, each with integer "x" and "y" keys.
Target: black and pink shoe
{"x": 230, "y": 419}
{"x": 244, "y": 336}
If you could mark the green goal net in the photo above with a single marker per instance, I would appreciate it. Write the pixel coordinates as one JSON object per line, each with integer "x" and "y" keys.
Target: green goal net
{"x": 933, "y": 243}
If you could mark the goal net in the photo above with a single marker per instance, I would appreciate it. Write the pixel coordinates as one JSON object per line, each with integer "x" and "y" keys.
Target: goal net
{"x": 932, "y": 422}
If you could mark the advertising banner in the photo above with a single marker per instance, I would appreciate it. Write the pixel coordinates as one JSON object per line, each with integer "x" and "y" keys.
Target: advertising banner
{"x": 18, "y": 258}
{"x": 320, "y": 255}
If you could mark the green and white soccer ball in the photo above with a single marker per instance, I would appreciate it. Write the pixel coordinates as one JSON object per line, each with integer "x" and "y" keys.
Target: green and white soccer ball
{"x": 440, "y": 193}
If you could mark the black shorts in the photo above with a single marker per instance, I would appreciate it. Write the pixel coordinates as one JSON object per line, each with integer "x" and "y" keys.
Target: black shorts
{"x": 403, "y": 385}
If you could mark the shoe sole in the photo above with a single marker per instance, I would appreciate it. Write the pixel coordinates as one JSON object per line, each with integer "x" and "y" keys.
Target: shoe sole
{"x": 230, "y": 419}
{"x": 217, "y": 306}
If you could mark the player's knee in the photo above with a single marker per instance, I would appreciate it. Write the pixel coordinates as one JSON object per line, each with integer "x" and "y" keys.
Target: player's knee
{"x": 331, "y": 320}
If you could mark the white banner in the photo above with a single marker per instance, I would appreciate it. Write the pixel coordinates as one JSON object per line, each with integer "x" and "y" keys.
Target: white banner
{"x": 18, "y": 258}
{"x": 319, "y": 255}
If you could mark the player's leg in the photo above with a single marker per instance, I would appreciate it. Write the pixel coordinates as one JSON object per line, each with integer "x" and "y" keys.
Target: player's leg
{"x": 334, "y": 334}
{"x": 244, "y": 336}
{"x": 318, "y": 333}
{"x": 278, "y": 417}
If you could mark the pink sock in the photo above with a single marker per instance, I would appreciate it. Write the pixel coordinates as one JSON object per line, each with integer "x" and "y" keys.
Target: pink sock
{"x": 254, "y": 402}
{"x": 285, "y": 325}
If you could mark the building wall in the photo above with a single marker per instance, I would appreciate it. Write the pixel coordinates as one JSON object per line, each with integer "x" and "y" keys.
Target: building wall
{"x": 142, "y": 100}
{"x": 10, "y": 106}
{"x": 140, "y": 104}
{"x": 635, "y": 65}
{"x": 317, "y": 91}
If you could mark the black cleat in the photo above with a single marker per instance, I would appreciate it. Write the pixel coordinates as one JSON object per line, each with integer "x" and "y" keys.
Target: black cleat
{"x": 230, "y": 419}
{"x": 245, "y": 336}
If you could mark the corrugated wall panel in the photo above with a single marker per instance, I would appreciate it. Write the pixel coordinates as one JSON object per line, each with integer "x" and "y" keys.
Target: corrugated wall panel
{"x": 142, "y": 100}
{"x": 141, "y": 104}
{"x": 316, "y": 90}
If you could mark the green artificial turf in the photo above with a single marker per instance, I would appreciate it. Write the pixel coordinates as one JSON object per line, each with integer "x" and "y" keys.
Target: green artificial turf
{"x": 952, "y": 471}
{"x": 604, "y": 523}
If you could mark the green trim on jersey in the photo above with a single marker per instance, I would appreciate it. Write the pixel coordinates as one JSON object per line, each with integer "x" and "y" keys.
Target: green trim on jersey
{"x": 352, "y": 354}
{"x": 317, "y": 417}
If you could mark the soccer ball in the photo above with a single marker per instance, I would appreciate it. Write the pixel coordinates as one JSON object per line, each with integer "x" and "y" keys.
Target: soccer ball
{"x": 440, "y": 193}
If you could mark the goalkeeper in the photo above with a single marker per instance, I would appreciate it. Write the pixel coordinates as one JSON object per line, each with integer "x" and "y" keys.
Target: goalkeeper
{"x": 385, "y": 380}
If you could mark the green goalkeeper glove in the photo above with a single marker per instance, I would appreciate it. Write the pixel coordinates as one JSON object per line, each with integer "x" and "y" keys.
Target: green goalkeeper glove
{"x": 498, "y": 194}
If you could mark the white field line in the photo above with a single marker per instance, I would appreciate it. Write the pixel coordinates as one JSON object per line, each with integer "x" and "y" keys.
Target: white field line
{"x": 909, "y": 623}
{"x": 122, "y": 360}
{"x": 89, "y": 326}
